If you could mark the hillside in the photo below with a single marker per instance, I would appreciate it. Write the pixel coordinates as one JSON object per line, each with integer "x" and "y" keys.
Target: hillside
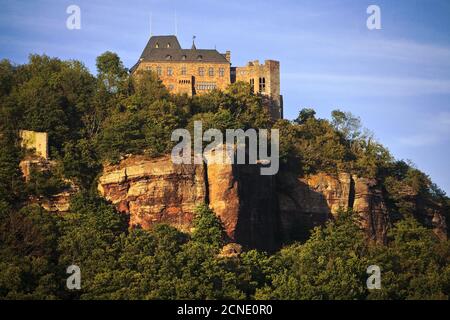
{"x": 140, "y": 227}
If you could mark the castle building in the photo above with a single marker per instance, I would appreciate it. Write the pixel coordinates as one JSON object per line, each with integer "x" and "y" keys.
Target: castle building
{"x": 197, "y": 71}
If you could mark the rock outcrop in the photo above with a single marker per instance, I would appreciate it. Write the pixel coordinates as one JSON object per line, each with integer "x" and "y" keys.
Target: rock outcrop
{"x": 310, "y": 201}
{"x": 369, "y": 204}
{"x": 57, "y": 203}
{"x": 257, "y": 211}
{"x": 155, "y": 191}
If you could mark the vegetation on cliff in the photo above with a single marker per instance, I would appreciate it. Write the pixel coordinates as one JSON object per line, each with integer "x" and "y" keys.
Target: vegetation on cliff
{"x": 92, "y": 119}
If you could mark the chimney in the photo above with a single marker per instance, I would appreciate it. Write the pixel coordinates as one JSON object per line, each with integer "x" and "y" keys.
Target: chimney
{"x": 228, "y": 56}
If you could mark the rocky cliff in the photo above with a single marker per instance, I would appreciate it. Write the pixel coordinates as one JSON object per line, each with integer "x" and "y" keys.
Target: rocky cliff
{"x": 307, "y": 202}
{"x": 58, "y": 202}
{"x": 257, "y": 211}
{"x": 155, "y": 191}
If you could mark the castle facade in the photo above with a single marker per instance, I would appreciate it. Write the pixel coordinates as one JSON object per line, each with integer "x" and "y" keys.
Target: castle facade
{"x": 197, "y": 71}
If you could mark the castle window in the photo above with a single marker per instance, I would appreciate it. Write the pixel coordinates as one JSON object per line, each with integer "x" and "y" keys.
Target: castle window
{"x": 206, "y": 86}
{"x": 262, "y": 84}
{"x": 183, "y": 57}
{"x": 201, "y": 72}
{"x": 183, "y": 71}
{"x": 221, "y": 72}
{"x": 168, "y": 45}
{"x": 157, "y": 45}
{"x": 168, "y": 57}
{"x": 199, "y": 57}
{"x": 252, "y": 85}
{"x": 211, "y": 72}
{"x": 169, "y": 71}
{"x": 158, "y": 71}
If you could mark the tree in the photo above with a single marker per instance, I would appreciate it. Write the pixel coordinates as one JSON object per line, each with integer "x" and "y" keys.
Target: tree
{"x": 11, "y": 180}
{"x": 208, "y": 228}
{"x": 80, "y": 162}
{"x": 304, "y": 115}
{"x": 51, "y": 95}
{"x": 330, "y": 265}
{"x": 28, "y": 269}
{"x": 6, "y": 77}
{"x": 89, "y": 237}
{"x": 414, "y": 264}
{"x": 111, "y": 71}
{"x": 346, "y": 123}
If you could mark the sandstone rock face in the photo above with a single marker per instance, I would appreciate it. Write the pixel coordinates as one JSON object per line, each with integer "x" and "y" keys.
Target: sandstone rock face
{"x": 432, "y": 215}
{"x": 371, "y": 208}
{"x": 262, "y": 212}
{"x": 155, "y": 190}
{"x": 308, "y": 202}
{"x": 57, "y": 203}
{"x": 257, "y": 215}
{"x": 231, "y": 250}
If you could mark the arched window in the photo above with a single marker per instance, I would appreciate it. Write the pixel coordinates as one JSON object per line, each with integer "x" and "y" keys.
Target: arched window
{"x": 199, "y": 57}
{"x": 183, "y": 57}
{"x": 168, "y": 45}
{"x": 157, "y": 45}
{"x": 168, "y": 57}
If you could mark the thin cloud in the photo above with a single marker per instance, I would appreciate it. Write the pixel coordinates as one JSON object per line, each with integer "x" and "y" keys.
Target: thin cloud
{"x": 370, "y": 85}
{"x": 433, "y": 130}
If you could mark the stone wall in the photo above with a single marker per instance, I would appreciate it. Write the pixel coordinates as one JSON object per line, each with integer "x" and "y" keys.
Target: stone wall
{"x": 37, "y": 141}
{"x": 270, "y": 71}
{"x": 192, "y": 82}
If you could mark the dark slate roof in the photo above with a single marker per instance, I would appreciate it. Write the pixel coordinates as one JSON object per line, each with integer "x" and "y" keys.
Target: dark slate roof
{"x": 162, "y": 41}
{"x": 175, "y": 53}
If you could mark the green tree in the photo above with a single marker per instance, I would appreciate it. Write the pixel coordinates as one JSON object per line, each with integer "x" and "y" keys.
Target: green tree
{"x": 330, "y": 265}
{"x": 11, "y": 181}
{"x": 304, "y": 115}
{"x": 208, "y": 228}
{"x": 346, "y": 123}
{"x": 28, "y": 269}
{"x": 111, "y": 71}
{"x": 80, "y": 162}
{"x": 414, "y": 264}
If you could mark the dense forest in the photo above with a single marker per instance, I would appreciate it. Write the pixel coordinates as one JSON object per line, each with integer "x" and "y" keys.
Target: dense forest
{"x": 92, "y": 120}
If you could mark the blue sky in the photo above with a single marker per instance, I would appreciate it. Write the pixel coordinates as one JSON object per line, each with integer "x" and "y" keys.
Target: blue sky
{"x": 396, "y": 79}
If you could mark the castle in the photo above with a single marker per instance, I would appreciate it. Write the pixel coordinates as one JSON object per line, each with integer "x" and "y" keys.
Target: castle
{"x": 196, "y": 71}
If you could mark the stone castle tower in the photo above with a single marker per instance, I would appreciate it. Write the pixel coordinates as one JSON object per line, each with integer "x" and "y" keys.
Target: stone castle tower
{"x": 196, "y": 71}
